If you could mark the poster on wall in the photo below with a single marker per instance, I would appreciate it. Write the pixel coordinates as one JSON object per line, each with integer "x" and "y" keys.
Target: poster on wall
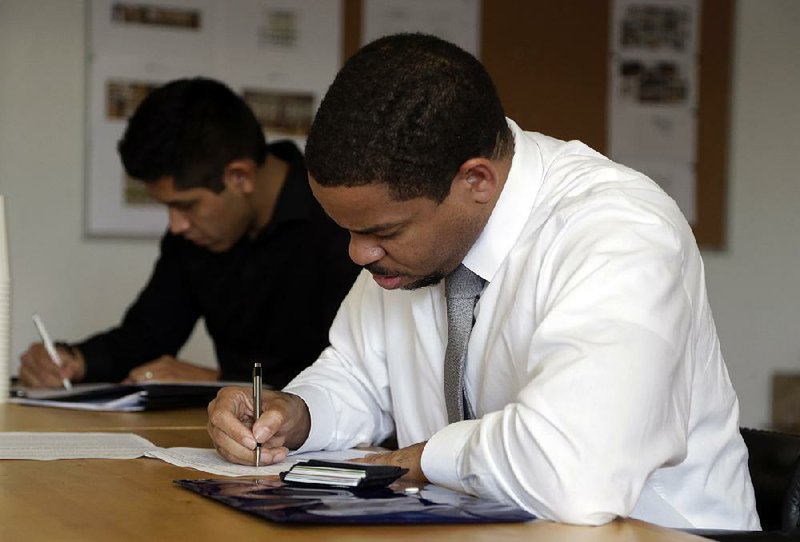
{"x": 457, "y": 21}
{"x": 280, "y": 55}
{"x": 653, "y": 77}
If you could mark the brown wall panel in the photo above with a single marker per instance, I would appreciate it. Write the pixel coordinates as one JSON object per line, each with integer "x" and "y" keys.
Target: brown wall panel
{"x": 549, "y": 60}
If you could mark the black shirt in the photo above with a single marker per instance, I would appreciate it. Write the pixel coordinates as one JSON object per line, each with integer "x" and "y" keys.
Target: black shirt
{"x": 270, "y": 299}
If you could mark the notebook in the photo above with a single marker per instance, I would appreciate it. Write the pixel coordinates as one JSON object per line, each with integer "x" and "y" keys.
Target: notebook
{"x": 122, "y": 397}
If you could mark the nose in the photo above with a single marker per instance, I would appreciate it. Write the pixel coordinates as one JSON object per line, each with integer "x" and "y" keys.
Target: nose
{"x": 363, "y": 250}
{"x": 178, "y": 223}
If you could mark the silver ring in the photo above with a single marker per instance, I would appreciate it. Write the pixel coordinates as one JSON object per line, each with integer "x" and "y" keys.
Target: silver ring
{"x": 148, "y": 375}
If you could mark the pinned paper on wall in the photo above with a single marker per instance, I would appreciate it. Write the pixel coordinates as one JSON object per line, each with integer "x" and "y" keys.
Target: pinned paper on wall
{"x": 653, "y": 94}
{"x": 457, "y": 21}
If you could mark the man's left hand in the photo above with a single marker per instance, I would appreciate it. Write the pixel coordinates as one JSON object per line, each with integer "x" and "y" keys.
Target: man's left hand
{"x": 409, "y": 458}
{"x": 169, "y": 369}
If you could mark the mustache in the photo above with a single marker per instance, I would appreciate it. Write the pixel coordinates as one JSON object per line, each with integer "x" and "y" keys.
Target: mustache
{"x": 381, "y": 271}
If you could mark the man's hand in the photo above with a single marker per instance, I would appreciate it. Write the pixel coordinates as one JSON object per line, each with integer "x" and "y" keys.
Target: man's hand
{"x": 38, "y": 370}
{"x": 409, "y": 458}
{"x": 169, "y": 369}
{"x": 284, "y": 424}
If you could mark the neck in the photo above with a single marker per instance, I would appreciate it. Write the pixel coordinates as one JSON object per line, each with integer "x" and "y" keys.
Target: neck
{"x": 268, "y": 184}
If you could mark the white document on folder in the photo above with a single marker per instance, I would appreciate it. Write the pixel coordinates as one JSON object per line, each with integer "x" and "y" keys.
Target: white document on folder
{"x": 208, "y": 460}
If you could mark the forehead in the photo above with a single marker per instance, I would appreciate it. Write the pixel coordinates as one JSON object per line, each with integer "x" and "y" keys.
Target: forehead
{"x": 366, "y": 207}
{"x": 164, "y": 190}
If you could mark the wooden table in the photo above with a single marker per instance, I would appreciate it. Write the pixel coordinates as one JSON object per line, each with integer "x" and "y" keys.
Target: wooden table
{"x": 135, "y": 499}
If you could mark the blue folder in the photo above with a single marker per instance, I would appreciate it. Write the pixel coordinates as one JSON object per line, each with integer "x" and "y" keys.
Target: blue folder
{"x": 292, "y": 504}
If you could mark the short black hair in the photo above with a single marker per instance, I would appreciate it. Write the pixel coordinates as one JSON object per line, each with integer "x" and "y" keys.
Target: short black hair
{"x": 190, "y": 129}
{"x": 406, "y": 110}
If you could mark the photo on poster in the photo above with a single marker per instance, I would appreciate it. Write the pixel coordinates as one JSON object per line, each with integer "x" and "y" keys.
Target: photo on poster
{"x": 282, "y": 112}
{"x": 156, "y": 15}
{"x": 663, "y": 82}
{"x": 279, "y": 27}
{"x": 123, "y": 97}
{"x": 656, "y": 27}
{"x": 653, "y": 92}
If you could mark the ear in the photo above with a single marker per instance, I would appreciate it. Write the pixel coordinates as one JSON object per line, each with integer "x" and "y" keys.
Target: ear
{"x": 479, "y": 178}
{"x": 240, "y": 175}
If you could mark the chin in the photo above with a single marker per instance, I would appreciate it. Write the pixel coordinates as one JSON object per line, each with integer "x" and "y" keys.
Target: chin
{"x": 424, "y": 282}
{"x": 216, "y": 248}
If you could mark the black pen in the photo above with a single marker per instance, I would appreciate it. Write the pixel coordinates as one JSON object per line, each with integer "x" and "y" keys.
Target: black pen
{"x": 257, "y": 404}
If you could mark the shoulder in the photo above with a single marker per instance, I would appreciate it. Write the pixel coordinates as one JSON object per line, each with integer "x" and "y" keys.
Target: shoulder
{"x": 287, "y": 151}
{"x": 586, "y": 199}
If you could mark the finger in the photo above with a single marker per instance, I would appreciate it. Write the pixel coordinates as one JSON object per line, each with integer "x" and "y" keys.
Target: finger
{"x": 269, "y": 425}
{"x": 34, "y": 375}
{"x": 271, "y": 456}
{"x": 142, "y": 373}
{"x": 231, "y": 450}
{"x": 40, "y": 361}
{"x": 274, "y": 419}
{"x": 225, "y": 415}
{"x": 28, "y": 377}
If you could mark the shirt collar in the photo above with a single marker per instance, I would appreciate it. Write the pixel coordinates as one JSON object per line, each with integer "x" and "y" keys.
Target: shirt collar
{"x": 512, "y": 209}
{"x": 295, "y": 195}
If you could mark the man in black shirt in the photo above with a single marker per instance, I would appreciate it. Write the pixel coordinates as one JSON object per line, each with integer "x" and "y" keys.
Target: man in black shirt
{"x": 248, "y": 249}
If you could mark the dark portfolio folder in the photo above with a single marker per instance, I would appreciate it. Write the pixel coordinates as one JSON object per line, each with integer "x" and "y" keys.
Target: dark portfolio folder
{"x": 122, "y": 397}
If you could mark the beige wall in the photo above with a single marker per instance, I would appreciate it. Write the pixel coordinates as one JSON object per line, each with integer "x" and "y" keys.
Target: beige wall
{"x": 79, "y": 285}
{"x": 753, "y": 285}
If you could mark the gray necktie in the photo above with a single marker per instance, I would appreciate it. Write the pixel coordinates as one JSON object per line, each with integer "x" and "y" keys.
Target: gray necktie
{"x": 462, "y": 288}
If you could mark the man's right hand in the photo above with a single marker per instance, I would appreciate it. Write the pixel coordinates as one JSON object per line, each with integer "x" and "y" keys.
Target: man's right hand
{"x": 284, "y": 424}
{"x": 38, "y": 370}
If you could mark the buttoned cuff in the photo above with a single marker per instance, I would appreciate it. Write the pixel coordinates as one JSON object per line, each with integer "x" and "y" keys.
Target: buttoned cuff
{"x": 320, "y": 411}
{"x": 443, "y": 453}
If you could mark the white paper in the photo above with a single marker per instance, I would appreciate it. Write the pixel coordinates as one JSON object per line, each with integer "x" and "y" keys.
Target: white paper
{"x": 49, "y": 446}
{"x": 129, "y": 403}
{"x": 208, "y": 460}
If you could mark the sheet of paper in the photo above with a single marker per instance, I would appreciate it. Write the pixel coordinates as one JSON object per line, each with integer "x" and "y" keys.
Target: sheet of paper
{"x": 129, "y": 403}
{"x": 207, "y": 460}
{"x": 47, "y": 446}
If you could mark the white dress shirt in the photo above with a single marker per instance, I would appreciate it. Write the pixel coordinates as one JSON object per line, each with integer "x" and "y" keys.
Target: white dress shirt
{"x": 593, "y": 367}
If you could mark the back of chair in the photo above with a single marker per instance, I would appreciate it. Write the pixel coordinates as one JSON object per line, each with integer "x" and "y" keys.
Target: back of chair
{"x": 775, "y": 470}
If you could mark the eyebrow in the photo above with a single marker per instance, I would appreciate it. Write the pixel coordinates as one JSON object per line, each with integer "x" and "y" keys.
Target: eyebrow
{"x": 377, "y": 228}
{"x": 179, "y": 202}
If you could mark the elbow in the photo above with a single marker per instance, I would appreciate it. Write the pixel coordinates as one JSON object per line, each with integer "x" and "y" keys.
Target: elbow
{"x": 583, "y": 515}
{"x": 589, "y": 503}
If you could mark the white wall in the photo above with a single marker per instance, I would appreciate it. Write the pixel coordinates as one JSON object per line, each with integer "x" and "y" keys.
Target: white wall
{"x": 80, "y": 285}
{"x": 77, "y": 285}
{"x": 753, "y": 285}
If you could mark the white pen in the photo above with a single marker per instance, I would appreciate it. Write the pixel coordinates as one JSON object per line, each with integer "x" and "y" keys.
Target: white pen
{"x": 51, "y": 349}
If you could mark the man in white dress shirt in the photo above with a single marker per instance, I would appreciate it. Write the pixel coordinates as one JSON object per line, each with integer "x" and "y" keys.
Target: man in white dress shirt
{"x": 593, "y": 368}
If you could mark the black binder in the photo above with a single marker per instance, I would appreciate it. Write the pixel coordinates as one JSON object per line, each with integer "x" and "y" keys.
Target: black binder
{"x": 122, "y": 397}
